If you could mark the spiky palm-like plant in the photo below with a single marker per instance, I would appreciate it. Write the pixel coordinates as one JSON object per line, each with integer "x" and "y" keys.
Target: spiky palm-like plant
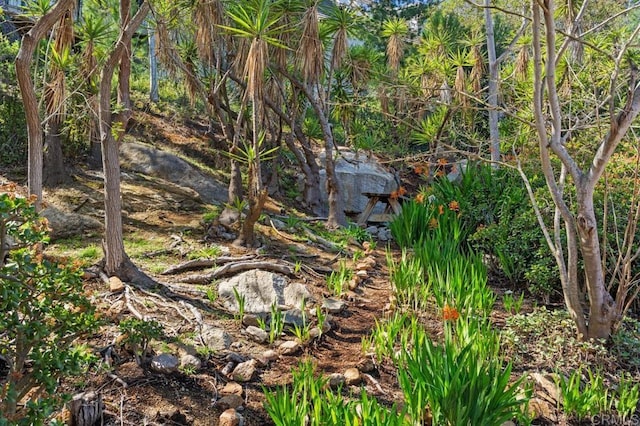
{"x": 395, "y": 30}
{"x": 255, "y": 23}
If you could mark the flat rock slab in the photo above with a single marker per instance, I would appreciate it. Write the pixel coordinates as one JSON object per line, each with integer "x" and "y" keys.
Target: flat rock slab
{"x": 151, "y": 161}
{"x": 260, "y": 290}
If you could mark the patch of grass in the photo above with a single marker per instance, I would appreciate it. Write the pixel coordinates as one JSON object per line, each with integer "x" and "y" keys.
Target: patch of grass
{"x": 91, "y": 253}
{"x": 137, "y": 245}
{"x": 211, "y": 214}
{"x": 207, "y": 253}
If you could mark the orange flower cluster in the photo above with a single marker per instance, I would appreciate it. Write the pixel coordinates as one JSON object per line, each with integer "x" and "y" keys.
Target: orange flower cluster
{"x": 421, "y": 169}
{"x": 450, "y": 313}
{"x": 454, "y": 206}
{"x": 433, "y": 223}
{"x": 420, "y": 198}
{"x": 398, "y": 193}
{"x": 441, "y": 209}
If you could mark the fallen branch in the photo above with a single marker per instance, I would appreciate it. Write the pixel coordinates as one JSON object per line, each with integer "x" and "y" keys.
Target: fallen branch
{"x": 232, "y": 268}
{"x": 328, "y": 245}
{"x": 204, "y": 263}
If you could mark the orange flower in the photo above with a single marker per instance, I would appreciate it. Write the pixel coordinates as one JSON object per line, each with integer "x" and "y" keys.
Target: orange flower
{"x": 441, "y": 209}
{"x": 440, "y": 173}
{"x": 433, "y": 223}
{"x": 401, "y": 191}
{"x": 394, "y": 195}
{"x": 450, "y": 313}
{"x": 454, "y": 206}
{"x": 420, "y": 198}
{"x": 442, "y": 162}
{"x": 418, "y": 170}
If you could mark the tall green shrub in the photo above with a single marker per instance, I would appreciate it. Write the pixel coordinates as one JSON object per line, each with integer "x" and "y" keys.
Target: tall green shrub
{"x": 42, "y": 313}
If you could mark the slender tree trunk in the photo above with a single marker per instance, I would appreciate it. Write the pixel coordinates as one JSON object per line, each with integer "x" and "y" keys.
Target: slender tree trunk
{"x": 154, "y": 95}
{"x": 336, "y": 216}
{"x": 54, "y": 172}
{"x": 492, "y": 99}
{"x": 124, "y": 91}
{"x": 116, "y": 260}
{"x": 581, "y": 227}
{"x": 27, "y": 90}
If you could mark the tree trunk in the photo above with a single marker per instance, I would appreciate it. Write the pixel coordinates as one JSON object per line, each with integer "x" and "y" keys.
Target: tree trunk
{"x": 602, "y": 309}
{"x": 124, "y": 91}
{"x": 492, "y": 99}
{"x": 116, "y": 261}
{"x": 27, "y": 90}
{"x": 54, "y": 169}
{"x": 582, "y": 227}
{"x": 154, "y": 95}
{"x": 336, "y": 216}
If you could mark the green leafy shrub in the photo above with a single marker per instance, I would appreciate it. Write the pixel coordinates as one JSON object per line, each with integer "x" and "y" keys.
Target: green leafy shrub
{"x": 496, "y": 209}
{"x": 138, "y": 334}
{"x": 43, "y": 311}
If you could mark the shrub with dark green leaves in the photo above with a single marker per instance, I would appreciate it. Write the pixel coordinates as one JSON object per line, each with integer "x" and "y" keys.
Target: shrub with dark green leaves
{"x": 43, "y": 311}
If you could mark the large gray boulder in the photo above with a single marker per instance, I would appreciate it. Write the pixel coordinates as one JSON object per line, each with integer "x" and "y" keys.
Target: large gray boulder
{"x": 146, "y": 159}
{"x": 67, "y": 224}
{"x": 260, "y": 289}
{"x": 357, "y": 174}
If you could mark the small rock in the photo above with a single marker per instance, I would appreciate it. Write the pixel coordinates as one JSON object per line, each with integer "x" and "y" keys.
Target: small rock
{"x": 230, "y": 417}
{"x": 115, "y": 285}
{"x": 189, "y": 360}
{"x": 366, "y": 264}
{"x": 315, "y": 332}
{"x": 333, "y": 305}
{"x": 244, "y": 372}
{"x": 384, "y": 235}
{"x": 232, "y": 388}
{"x": 230, "y": 401}
{"x": 250, "y": 320}
{"x": 235, "y": 357}
{"x": 335, "y": 380}
{"x": 373, "y": 230}
{"x": 216, "y": 339}
{"x": 257, "y": 334}
{"x": 363, "y": 274}
{"x": 353, "y": 283}
{"x": 228, "y": 368}
{"x": 366, "y": 365}
{"x": 270, "y": 355}
{"x": 294, "y": 317}
{"x": 539, "y": 408}
{"x": 289, "y": 347}
{"x": 548, "y": 384}
{"x": 508, "y": 423}
{"x": 164, "y": 363}
{"x": 352, "y": 376}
